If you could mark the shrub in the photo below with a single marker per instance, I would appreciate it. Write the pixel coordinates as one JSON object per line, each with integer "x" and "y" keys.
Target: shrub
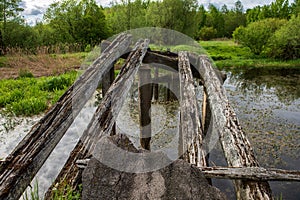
{"x": 285, "y": 43}
{"x": 24, "y": 73}
{"x": 256, "y": 34}
{"x": 207, "y": 33}
{"x": 56, "y": 83}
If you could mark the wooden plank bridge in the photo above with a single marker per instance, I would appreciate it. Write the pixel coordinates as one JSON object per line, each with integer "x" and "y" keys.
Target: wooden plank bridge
{"x": 250, "y": 180}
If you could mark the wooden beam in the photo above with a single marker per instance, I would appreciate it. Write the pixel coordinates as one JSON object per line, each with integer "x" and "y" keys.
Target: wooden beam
{"x": 236, "y": 146}
{"x": 27, "y": 158}
{"x": 145, "y": 97}
{"x": 103, "y": 119}
{"x": 108, "y": 78}
{"x": 251, "y": 173}
{"x": 155, "y": 84}
{"x": 190, "y": 134}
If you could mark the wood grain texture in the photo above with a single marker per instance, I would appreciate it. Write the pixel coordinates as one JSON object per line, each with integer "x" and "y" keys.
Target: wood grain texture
{"x": 237, "y": 149}
{"x": 103, "y": 119}
{"x": 190, "y": 135}
{"x": 27, "y": 158}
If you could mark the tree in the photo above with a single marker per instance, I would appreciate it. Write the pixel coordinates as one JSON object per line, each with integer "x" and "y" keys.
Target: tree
{"x": 285, "y": 43}
{"x": 77, "y": 21}
{"x": 179, "y": 15}
{"x": 295, "y": 7}
{"x": 233, "y": 19}
{"x": 280, "y": 9}
{"x": 216, "y": 20}
{"x": 256, "y": 34}
{"x": 9, "y": 11}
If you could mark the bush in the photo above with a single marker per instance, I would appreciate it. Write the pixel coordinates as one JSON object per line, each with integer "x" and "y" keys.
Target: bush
{"x": 24, "y": 73}
{"x": 256, "y": 34}
{"x": 56, "y": 83}
{"x": 207, "y": 33}
{"x": 285, "y": 43}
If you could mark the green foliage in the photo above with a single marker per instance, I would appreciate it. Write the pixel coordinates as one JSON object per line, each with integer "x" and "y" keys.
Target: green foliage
{"x": 31, "y": 96}
{"x": 77, "y": 21}
{"x": 207, "y": 33}
{"x": 256, "y": 34}
{"x": 277, "y": 9}
{"x": 56, "y": 83}
{"x": 229, "y": 55}
{"x": 24, "y": 73}
{"x": 67, "y": 193}
{"x": 285, "y": 43}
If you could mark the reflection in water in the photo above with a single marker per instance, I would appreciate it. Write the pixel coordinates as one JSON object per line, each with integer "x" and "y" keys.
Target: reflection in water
{"x": 284, "y": 82}
{"x": 267, "y": 103}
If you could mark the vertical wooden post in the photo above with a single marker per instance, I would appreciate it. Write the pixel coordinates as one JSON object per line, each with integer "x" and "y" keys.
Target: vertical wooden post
{"x": 108, "y": 79}
{"x": 155, "y": 86}
{"x": 145, "y": 96}
{"x": 173, "y": 84}
{"x": 206, "y": 117}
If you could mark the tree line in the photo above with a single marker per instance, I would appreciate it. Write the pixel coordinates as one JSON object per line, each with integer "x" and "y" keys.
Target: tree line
{"x": 84, "y": 23}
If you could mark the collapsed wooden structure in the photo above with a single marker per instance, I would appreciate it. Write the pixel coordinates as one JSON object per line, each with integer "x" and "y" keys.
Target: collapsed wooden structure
{"x": 250, "y": 180}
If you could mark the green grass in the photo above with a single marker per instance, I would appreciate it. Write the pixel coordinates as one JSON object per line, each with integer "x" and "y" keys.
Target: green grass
{"x": 228, "y": 55}
{"x": 32, "y": 96}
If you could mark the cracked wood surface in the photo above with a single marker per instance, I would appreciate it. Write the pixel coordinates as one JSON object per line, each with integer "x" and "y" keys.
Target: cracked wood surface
{"x": 190, "y": 135}
{"x": 103, "y": 119}
{"x": 236, "y": 147}
{"x": 27, "y": 158}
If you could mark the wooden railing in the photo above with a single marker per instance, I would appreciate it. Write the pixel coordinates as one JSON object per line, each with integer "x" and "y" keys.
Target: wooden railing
{"x": 250, "y": 180}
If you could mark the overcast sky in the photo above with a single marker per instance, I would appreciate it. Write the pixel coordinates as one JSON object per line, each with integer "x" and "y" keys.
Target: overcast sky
{"x": 34, "y": 9}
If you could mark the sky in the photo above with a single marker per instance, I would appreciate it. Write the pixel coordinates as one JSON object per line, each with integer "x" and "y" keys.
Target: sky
{"x": 34, "y": 9}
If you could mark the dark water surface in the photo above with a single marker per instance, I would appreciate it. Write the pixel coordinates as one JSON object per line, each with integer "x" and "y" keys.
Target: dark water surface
{"x": 267, "y": 103}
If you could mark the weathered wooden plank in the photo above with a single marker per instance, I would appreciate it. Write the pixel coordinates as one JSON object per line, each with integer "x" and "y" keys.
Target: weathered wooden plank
{"x": 24, "y": 162}
{"x": 145, "y": 97}
{"x": 103, "y": 119}
{"x": 190, "y": 135}
{"x": 251, "y": 173}
{"x": 108, "y": 78}
{"x": 237, "y": 149}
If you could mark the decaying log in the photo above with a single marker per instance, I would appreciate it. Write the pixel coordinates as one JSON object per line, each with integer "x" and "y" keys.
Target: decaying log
{"x": 103, "y": 119}
{"x": 190, "y": 134}
{"x": 251, "y": 173}
{"x": 237, "y": 149}
{"x": 24, "y": 162}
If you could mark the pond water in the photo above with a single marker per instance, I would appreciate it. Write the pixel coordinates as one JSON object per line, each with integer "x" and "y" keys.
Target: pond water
{"x": 267, "y": 104}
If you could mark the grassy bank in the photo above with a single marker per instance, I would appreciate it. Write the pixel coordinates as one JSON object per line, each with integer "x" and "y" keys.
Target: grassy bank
{"x": 229, "y": 55}
{"x": 31, "y": 96}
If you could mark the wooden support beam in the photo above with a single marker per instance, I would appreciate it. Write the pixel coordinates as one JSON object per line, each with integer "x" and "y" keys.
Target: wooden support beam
{"x": 145, "y": 97}
{"x": 190, "y": 133}
{"x": 108, "y": 79}
{"x": 103, "y": 119}
{"x": 155, "y": 85}
{"x": 251, "y": 173}
{"x": 237, "y": 149}
{"x": 23, "y": 163}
